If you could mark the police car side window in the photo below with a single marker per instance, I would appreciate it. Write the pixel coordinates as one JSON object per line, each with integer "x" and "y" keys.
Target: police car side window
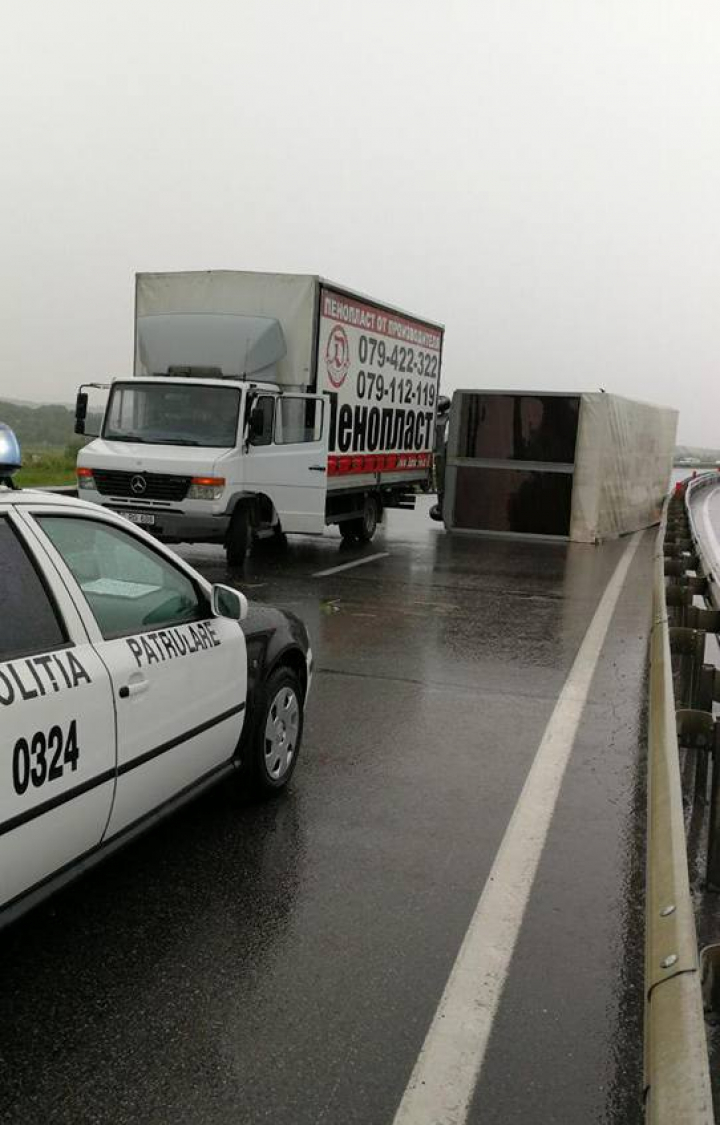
{"x": 29, "y": 622}
{"x": 128, "y": 586}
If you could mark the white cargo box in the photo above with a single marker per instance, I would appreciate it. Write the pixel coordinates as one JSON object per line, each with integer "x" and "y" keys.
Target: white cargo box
{"x": 377, "y": 366}
{"x": 210, "y": 297}
{"x": 585, "y": 466}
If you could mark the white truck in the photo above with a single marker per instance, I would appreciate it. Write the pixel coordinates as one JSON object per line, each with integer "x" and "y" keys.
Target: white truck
{"x": 262, "y": 404}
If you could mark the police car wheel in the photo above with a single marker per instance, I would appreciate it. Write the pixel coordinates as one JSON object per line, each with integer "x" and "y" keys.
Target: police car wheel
{"x": 277, "y": 734}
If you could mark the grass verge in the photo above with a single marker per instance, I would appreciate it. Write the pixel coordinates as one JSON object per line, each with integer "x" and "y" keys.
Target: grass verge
{"x": 46, "y": 467}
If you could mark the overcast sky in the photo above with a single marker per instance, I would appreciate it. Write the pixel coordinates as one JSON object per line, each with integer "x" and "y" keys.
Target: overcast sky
{"x": 543, "y": 176}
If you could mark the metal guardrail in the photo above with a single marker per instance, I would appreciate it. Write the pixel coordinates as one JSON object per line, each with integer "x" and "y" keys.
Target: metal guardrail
{"x": 677, "y": 1073}
{"x": 710, "y": 566}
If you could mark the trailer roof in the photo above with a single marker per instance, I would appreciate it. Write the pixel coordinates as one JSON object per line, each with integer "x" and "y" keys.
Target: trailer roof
{"x": 358, "y": 294}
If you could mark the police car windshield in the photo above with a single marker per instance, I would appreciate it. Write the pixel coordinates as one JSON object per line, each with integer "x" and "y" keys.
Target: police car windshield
{"x": 173, "y": 414}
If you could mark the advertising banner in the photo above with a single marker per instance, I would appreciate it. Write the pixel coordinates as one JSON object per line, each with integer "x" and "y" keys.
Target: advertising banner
{"x": 381, "y": 370}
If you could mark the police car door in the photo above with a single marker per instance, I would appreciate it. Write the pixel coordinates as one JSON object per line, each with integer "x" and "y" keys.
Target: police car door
{"x": 179, "y": 674}
{"x": 57, "y": 727}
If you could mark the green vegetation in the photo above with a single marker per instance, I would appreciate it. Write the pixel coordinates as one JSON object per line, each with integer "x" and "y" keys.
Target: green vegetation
{"x": 37, "y": 426}
{"x": 48, "y": 442}
{"x": 47, "y": 466}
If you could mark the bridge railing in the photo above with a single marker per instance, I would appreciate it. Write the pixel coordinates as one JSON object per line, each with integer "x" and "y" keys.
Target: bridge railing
{"x": 677, "y": 1073}
{"x": 709, "y": 563}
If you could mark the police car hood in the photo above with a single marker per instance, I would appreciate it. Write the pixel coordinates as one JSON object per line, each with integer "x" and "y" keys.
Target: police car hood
{"x": 137, "y": 457}
{"x": 281, "y": 625}
{"x": 269, "y": 635}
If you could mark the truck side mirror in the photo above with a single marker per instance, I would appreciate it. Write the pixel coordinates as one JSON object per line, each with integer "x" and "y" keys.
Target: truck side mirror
{"x": 258, "y": 433}
{"x": 81, "y": 405}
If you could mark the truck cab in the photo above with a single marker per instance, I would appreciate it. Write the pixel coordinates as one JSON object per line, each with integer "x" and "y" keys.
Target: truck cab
{"x": 201, "y": 458}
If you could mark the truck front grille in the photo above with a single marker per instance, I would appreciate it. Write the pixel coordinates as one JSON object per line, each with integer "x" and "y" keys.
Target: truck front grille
{"x": 141, "y": 486}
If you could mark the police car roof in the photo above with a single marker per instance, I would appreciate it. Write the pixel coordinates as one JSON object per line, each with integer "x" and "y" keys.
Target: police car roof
{"x": 12, "y": 496}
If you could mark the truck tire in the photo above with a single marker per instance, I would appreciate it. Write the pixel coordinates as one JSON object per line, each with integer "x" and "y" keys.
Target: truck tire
{"x": 367, "y": 525}
{"x": 279, "y": 539}
{"x": 238, "y": 537}
{"x": 348, "y": 530}
{"x": 272, "y": 750}
{"x": 364, "y": 528}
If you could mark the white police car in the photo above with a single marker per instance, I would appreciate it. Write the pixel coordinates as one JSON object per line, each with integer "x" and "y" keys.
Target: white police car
{"x": 127, "y": 685}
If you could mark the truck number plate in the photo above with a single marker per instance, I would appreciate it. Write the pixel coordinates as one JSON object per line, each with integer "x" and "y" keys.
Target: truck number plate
{"x": 140, "y": 517}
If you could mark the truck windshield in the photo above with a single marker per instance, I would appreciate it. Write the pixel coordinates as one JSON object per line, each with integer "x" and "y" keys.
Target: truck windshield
{"x": 173, "y": 414}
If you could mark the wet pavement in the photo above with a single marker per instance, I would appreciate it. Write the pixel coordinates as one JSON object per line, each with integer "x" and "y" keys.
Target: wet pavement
{"x": 282, "y": 962}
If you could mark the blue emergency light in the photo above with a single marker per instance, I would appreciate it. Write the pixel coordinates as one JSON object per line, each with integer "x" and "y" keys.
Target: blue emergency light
{"x": 10, "y": 460}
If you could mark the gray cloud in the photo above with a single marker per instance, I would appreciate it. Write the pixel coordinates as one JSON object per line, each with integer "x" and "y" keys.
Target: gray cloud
{"x": 541, "y": 175}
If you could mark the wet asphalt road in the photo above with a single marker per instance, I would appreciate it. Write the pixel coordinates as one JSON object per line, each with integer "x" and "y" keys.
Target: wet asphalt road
{"x": 282, "y": 962}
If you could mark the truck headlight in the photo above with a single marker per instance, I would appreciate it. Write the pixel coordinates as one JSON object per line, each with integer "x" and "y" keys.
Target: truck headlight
{"x": 206, "y": 488}
{"x": 85, "y": 478}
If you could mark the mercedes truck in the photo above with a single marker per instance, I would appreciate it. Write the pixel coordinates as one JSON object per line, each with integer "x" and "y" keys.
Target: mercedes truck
{"x": 262, "y": 404}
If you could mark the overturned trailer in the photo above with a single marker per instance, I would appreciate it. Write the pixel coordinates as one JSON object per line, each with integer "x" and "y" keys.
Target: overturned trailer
{"x": 585, "y": 466}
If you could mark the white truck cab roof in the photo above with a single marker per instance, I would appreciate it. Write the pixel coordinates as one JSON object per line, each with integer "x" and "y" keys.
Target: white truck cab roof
{"x": 199, "y": 380}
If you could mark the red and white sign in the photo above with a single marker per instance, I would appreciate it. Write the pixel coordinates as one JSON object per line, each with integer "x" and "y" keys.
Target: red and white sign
{"x": 337, "y": 356}
{"x": 382, "y": 372}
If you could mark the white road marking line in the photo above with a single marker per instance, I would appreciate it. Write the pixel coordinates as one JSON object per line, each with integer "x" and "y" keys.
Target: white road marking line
{"x": 348, "y": 566}
{"x": 443, "y": 1082}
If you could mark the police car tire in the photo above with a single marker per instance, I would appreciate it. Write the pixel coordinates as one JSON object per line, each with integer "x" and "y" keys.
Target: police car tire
{"x": 278, "y": 685}
{"x": 238, "y": 537}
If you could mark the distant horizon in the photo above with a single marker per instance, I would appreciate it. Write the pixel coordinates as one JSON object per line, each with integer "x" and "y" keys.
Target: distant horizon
{"x": 710, "y": 453}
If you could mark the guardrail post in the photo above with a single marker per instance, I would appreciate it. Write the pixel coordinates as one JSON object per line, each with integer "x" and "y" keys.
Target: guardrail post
{"x": 712, "y": 874}
{"x": 696, "y": 730}
{"x": 688, "y": 650}
{"x": 710, "y": 976}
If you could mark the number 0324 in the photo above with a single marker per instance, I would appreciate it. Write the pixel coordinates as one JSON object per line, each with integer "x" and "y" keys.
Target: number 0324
{"x": 44, "y": 757}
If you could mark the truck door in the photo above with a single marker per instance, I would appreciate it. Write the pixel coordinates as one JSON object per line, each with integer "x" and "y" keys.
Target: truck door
{"x": 288, "y": 460}
{"x": 57, "y": 722}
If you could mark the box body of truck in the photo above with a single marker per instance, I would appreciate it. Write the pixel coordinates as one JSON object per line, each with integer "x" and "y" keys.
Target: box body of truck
{"x": 333, "y": 411}
{"x": 583, "y": 466}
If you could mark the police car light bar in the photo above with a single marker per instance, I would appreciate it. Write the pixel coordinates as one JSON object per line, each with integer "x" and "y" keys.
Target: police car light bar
{"x": 10, "y": 460}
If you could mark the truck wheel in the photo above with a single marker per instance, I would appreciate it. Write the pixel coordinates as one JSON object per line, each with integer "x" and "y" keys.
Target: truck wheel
{"x": 367, "y": 525}
{"x": 274, "y": 745}
{"x": 279, "y": 538}
{"x": 348, "y": 530}
{"x": 238, "y": 537}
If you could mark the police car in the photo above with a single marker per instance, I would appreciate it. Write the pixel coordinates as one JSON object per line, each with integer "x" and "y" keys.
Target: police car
{"x": 128, "y": 684}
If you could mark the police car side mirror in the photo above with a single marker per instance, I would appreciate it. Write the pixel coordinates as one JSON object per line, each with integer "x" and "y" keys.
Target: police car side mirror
{"x": 227, "y": 602}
